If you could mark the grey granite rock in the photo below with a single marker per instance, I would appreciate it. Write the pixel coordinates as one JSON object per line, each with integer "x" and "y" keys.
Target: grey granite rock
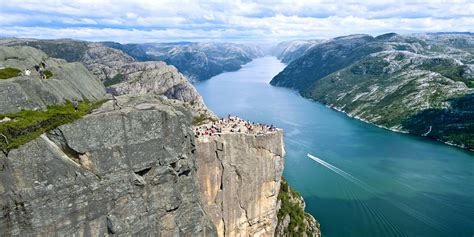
{"x": 239, "y": 175}
{"x": 70, "y": 81}
{"x": 114, "y": 172}
{"x": 112, "y": 66}
{"x": 157, "y": 78}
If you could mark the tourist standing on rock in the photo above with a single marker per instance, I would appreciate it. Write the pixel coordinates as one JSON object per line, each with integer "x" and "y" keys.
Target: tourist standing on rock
{"x": 43, "y": 65}
{"x": 115, "y": 102}
{"x": 42, "y": 75}
{"x": 75, "y": 104}
{"x": 27, "y": 72}
{"x": 37, "y": 68}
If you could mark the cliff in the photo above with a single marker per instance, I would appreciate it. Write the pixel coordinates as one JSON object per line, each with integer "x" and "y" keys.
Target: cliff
{"x": 137, "y": 170}
{"x": 240, "y": 175}
{"x": 124, "y": 172}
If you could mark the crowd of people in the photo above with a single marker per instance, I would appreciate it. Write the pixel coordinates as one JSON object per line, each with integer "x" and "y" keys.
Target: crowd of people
{"x": 232, "y": 124}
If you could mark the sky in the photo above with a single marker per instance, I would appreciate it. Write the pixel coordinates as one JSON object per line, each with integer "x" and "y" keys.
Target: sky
{"x": 233, "y": 21}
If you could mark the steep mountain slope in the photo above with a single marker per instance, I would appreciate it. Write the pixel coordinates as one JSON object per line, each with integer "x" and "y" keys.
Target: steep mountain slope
{"x": 288, "y": 51}
{"x": 393, "y": 81}
{"x": 197, "y": 61}
{"x": 324, "y": 59}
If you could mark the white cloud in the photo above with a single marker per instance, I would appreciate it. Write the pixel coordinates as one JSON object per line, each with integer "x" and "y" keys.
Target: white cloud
{"x": 144, "y": 21}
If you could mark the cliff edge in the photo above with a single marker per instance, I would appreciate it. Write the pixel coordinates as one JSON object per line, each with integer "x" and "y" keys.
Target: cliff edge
{"x": 239, "y": 175}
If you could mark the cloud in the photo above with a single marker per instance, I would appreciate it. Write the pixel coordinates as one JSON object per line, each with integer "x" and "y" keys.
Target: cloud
{"x": 146, "y": 21}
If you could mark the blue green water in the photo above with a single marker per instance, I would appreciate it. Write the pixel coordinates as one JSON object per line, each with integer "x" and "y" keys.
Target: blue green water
{"x": 391, "y": 184}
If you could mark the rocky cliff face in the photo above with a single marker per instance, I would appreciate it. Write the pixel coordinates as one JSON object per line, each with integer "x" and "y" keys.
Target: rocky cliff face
{"x": 239, "y": 175}
{"x": 70, "y": 81}
{"x": 125, "y": 172}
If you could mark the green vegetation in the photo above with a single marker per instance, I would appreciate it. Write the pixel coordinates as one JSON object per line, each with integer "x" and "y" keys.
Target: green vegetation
{"x": 9, "y": 72}
{"x": 324, "y": 59}
{"x": 201, "y": 119}
{"x": 27, "y": 125}
{"x": 448, "y": 69}
{"x": 454, "y": 124}
{"x": 345, "y": 74}
{"x": 371, "y": 66}
{"x": 452, "y": 72}
{"x": 114, "y": 80}
{"x": 48, "y": 74}
{"x": 289, "y": 206}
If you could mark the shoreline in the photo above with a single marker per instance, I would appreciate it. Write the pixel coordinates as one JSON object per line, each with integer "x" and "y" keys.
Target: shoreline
{"x": 386, "y": 128}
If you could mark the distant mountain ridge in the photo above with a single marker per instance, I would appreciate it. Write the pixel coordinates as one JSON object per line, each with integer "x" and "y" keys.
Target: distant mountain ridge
{"x": 420, "y": 84}
{"x": 288, "y": 51}
{"x": 197, "y": 61}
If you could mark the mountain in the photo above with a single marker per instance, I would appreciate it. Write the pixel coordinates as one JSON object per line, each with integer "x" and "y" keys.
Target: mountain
{"x": 288, "y": 51}
{"x": 420, "y": 84}
{"x": 117, "y": 69}
{"x": 197, "y": 61}
{"x": 130, "y": 166}
{"x": 324, "y": 59}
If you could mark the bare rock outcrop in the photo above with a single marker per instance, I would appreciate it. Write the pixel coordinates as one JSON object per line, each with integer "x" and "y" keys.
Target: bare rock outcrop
{"x": 158, "y": 78}
{"x": 114, "y": 172}
{"x": 115, "y": 67}
{"x": 70, "y": 81}
{"x": 240, "y": 175}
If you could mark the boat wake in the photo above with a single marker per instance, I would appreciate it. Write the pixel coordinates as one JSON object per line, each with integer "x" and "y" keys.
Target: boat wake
{"x": 399, "y": 205}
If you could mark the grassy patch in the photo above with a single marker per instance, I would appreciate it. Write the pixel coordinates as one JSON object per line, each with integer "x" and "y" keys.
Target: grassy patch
{"x": 297, "y": 224}
{"x": 48, "y": 74}
{"x": 9, "y": 72}
{"x": 27, "y": 125}
{"x": 201, "y": 119}
{"x": 114, "y": 80}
